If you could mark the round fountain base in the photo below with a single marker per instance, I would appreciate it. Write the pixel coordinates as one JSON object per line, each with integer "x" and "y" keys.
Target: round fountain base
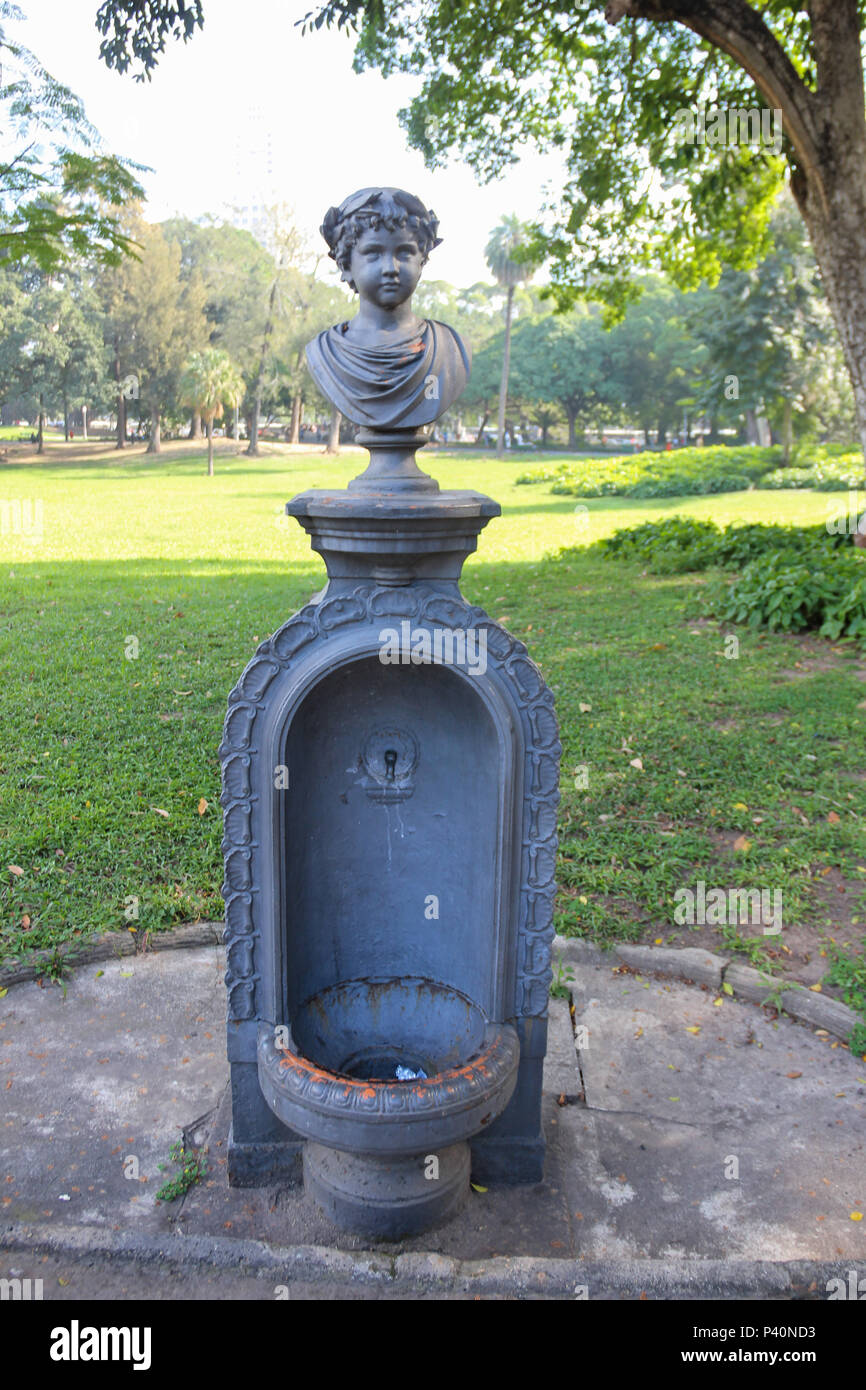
{"x": 389, "y": 1196}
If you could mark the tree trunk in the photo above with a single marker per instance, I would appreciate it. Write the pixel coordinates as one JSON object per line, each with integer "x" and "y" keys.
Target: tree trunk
{"x": 195, "y": 425}
{"x": 572, "y": 427}
{"x": 481, "y": 428}
{"x": 84, "y": 422}
{"x": 65, "y": 418}
{"x": 787, "y": 431}
{"x": 843, "y": 270}
{"x": 333, "y": 445}
{"x": 121, "y": 421}
{"x": 253, "y": 445}
{"x": 40, "y": 428}
{"x": 751, "y": 426}
{"x": 253, "y": 442}
{"x": 503, "y": 385}
{"x": 210, "y": 446}
{"x": 295, "y": 430}
{"x": 154, "y": 444}
{"x": 544, "y": 429}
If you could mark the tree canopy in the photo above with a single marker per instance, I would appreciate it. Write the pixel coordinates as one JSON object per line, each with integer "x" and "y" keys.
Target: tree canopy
{"x": 59, "y": 188}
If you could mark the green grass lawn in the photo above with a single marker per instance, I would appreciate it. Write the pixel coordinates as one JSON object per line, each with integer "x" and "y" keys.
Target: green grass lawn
{"x": 752, "y": 768}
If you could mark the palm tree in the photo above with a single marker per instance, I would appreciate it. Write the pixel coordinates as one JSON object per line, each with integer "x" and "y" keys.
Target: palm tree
{"x": 210, "y": 382}
{"x": 507, "y": 272}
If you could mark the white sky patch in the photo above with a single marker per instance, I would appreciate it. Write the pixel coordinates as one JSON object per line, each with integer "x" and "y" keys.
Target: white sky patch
{"x": 250, "y": 112}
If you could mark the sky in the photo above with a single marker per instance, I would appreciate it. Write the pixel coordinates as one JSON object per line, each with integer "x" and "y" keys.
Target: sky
{"x": 250, "y": 111}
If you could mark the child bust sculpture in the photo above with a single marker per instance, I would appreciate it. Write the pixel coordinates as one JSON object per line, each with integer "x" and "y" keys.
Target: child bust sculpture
{"x": 385, "y": 368}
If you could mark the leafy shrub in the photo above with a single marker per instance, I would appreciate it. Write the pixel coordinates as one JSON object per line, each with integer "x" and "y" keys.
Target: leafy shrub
{"x": 680, "y": 543}
{"x": 667, "y": 547}
{"x": 824, "y": 474}
{"x": 694, "y": 472}
{"x": 790, "y": 593}
{"x": 680, "y": 472}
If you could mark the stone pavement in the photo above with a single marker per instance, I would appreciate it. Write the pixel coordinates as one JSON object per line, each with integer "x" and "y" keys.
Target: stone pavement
{"x": 697, "y": 1147}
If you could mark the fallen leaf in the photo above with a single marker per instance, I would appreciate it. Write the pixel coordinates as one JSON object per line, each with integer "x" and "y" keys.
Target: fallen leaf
{"x": 562, "y": 1100}
{"x": 476, "y": 1187}
{"x": 98, "y": 973}
{"x": 792, "y": 1075}
{"x": 696, "y": 1029}
{"x": 584, "y": 709}
{"x": 25, "y": 922}
{"x": 16, "y": 870}
{"x": 717, "y": 1003}
{"x": 729, "y": 989}
{"x": 159, "y": 811}
{"x": 833, "y": 818}
{"x": 816, "y": 989}
{"x": 742, "y": 844}
{"x": 3, "y": 992}
{"x": 673, "y": 1097}
{"x": 636, "y": 762}
{"x": 856, "y": 1216}
{"x": 740, "y": 806}
{"x": 639, "y": 1033}
{"x": 202, "y": 806}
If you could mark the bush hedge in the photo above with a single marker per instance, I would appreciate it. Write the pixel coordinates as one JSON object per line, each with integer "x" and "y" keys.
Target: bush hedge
{"x": 792, "y": 578}
{"x": 697, "y": 472}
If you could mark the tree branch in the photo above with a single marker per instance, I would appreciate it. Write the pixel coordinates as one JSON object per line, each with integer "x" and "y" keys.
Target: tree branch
{"x": 737, "y": 30}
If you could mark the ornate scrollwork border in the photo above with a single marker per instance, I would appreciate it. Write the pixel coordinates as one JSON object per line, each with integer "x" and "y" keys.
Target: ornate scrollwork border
{"x": 312, "y": 625}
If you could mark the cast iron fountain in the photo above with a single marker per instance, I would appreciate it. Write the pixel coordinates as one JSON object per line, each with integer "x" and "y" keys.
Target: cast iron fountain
{"x": 390, "y": 783}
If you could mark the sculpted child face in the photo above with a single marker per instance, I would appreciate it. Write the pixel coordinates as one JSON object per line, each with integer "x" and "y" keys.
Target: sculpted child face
{"x": 386, "y": 266}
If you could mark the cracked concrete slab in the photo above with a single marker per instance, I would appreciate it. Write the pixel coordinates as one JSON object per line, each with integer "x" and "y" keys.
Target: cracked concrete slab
{"x": 683, "y": 1134}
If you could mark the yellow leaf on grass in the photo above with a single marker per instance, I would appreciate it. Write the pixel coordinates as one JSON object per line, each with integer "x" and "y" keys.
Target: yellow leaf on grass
{"x": 202, "y": 806}
{"x": 159, "y": 811}
{"x": 742, "y": 844}
{"x": 740, "y": 806}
